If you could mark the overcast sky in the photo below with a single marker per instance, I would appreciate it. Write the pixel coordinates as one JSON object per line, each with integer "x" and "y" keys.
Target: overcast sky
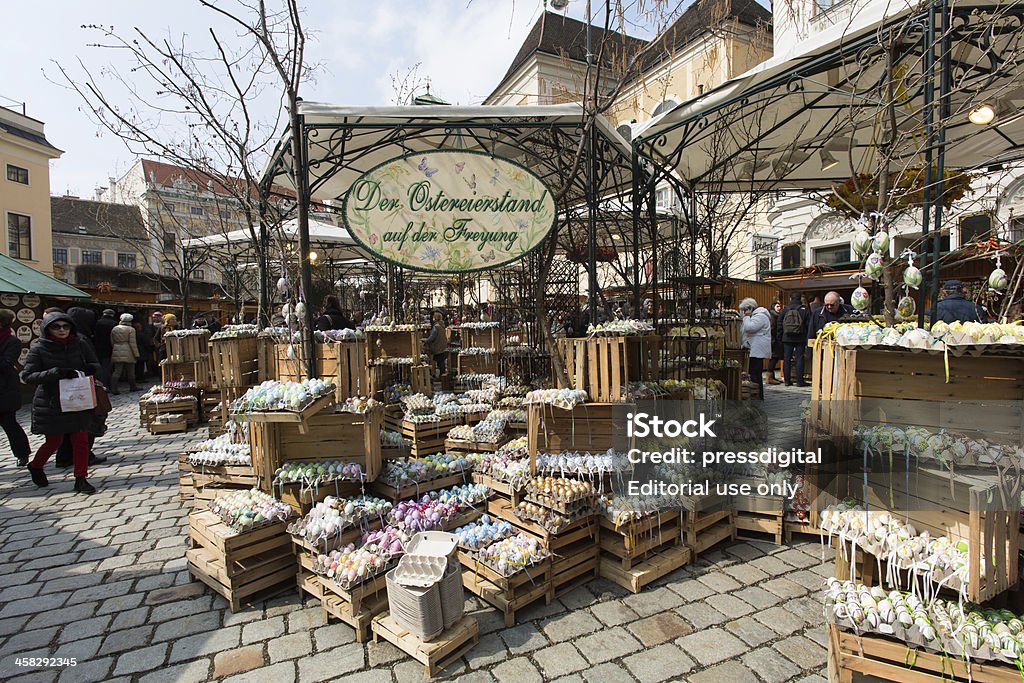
{"x": 463, "y": 46}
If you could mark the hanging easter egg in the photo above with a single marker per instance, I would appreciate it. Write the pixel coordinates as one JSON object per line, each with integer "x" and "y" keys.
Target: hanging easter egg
{"x": 906, "y": 307}
{"x": 862, "y": 242}
{"x": 874, "y": 265}
{"x": 880, "y": 242}
{"x": 860, "y": 299}
{"x": 912, "y": 277}
{"x": 997, "y": 280}
{"x": 282, "y": 285}
{"x": 300, "y": 309}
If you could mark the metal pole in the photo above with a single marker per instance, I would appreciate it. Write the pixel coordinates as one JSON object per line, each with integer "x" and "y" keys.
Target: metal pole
{"x": 591, "y": 190}
{"x": 929, "y": 115}
{"x": 940, "y": 166}
{"x": 636, "y": 233}
{"x": 305, "y": 267}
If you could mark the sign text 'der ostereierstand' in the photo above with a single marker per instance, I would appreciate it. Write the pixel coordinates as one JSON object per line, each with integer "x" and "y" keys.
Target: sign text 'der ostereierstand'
{"x": 449, "y": 211}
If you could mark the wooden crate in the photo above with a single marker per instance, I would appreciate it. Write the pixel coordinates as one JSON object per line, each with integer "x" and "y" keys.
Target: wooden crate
{"x": 508, "y": 594}
{"x": 299, "y": 418}
{"x": 186, "y": 490}
{"x": 198, "y": 371}
{"x": 242, "y": 567}
{"x": 242, "y": 476}
{"x": 457, "y": 446}
{"x": 420, "y": 377}
{"x": 757, "y": 514}
{"x": 168, "y": 427}
{"x": 235, "y": 362}
{"x": 499, "y": 488}
{"x": 604, "y": 366}
{"x": 477, "y": 363}
{"x": 436, "y": 655}
{"x": 425, "y": 438}
{"x": 302, "y": 499}
{"x": 632, "y": 543}
{"x": 662, "y": 562}
{"x": 328, "y": 436}
{"x": 266, "y": 358}
{"x": 189, "y": 407}
{"x": 342, "y": 362}
{"x": 309, "y": 584}
{"x": 391, "y": 344}
{"x": 487, "y": 338}
{"x": 335, "y": 607}
{"x": 575, "y": 564}
{"x": 708, "y": 527}
{"x": 587, "y": 427}
{"x": 187, "y": 348}
{"x": 805, "y": 529}
{"x": 889, "y": 660}
{"x": 584, "y": 527}
{"x": 379, "y": 488}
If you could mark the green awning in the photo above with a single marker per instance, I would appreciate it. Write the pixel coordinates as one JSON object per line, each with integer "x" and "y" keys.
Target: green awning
{"x": 17, "y": 278}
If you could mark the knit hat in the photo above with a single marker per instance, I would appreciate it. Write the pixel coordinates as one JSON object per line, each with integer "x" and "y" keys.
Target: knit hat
{"x": 127, "y": 318}
{"x": 109, "y": 312}
{"x": 952, "y": 285}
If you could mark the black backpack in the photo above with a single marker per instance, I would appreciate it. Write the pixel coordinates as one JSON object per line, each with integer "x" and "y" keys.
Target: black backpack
{"x": 792, "y": 322}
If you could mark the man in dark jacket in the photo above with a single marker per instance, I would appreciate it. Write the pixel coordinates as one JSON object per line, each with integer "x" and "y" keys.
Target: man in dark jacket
{"x": 793, "y": 322}
{"x": 10, "y": 389}
{"x": 333, "y": 318}
{"x": 954, "y": 307}
{"x": 833, "y": 310}
{"x": 101, "y": 342}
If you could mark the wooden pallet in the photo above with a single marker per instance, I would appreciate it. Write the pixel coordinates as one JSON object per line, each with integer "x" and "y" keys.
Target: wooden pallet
{"x": 634, "y": 542}
{"x": 752, "y": 522}
{"x": 198, "y": 371}
{"x": 239, "y": 565}
{"x": 186, "y": 489}
{"x": 424, "y": 438}
{"x": 604, "y": 366}
{"x": 435, "y": 656}
{"x": 240, "y": 475}
{"x": 574, "y": 565}
{"x": 890, "y": 660}
{"x": 584, "y": 527}
{"x": 507, "y": 594}
{"x": 235, "y": 362}
{"x": 808, "y": 530}
{"x": 335, "y": 607}
{"x": 355, "y": 597}
{"x": 499, "y": 488}
{"x": 662, "y": 562}
{"x": 188, "y": 407}
{"x": 705, "y": 529}
{"x": 458, "y": 446}
{"x": 299, "y": 418}
{"x": 587, "y": 427}
{"x": 168, "y": 427}
{"x": 309, "y": 584}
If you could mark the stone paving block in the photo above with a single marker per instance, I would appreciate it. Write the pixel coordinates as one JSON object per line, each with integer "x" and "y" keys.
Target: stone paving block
{"x": 266, "y": 629}
{"x": 701, "y": 615}
{"x": 798, "y": 558}
{"x": 730, "y": 606}
{"x": 518, "y": 670}
{"x": 34, "y": 605}
{"x": 192, "y": 672}
{"x": 93, "y": 671}
{"x": 146, "y": 659}
{"x": 328, "y": 665}
{"x": 719, "y": 582}
{"x": 488, "y": 652}
{"x": 570, "y": 626}
{"x": 187, "y": 626}
{"x": 771, "y": 565}
{"x": 712, "y": 646}
{"x": 559, "y": 660}
{"x": 807, "y": 608}
{"x": 574, "y": 678}
{"x": 729, "y": 672}
{"x": 382, "y": 653}
{"x": 66, "y": 615}
{"x": 129, "y": 639}
{"x": 290, "y": 647}
{"x": 758, "y": 597}
{"x": 770, "y": 666}
{"x": 25, "y": 590}
{"x": 523, "y": 638}
{"x": 159, "y": 597}
{"x": 650, "y": 602}
{"x": 539, "y": 610}
{"x": 205, "y": 643}
{"x": 305, "y": 619}
{"x": 803, "y": 651}
{"x": 606, "y": 645}
{"x": 120, "y": 604}
{"x": 578, "y": 598}
{"x": 612, "y": 613}
{"x": 785, "y": 588}
{"x": 82, "y": 650}
{"x": 780, "y": 620}
{"x": 130, "y": 619}
{"x": 29, "y": 640}
{"x": 384, "y": 676}
{"x": 277, "y": 673}
{"x": 327, "y": 637}
{"x": 659, "y": 628}
{"x": 744, "y": 551}
{"x": 746, "y": 574}
{"x": 85, "y": 628}
{"x": 607, "y": 673}
{"x": 663, "y": 663}
{"x": 237, "y": 661}
{"x": 751, "y": 631}
{"x": 813, "y": 678}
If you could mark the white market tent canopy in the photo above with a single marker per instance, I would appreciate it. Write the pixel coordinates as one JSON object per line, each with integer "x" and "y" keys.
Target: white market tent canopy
{"x": 334, "y": 240}
{"x": 343, "y": 142}
{"x": 769, "y": 127}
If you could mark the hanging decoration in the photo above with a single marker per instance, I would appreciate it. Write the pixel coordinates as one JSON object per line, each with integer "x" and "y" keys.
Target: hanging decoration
{"x": 874, "y": 265}
{"x": 997, "y": 280}
{"x": 282, "y": 285}
{"x": 860, "y": 299}
{"x": 907, "y": 307}
{"x": 862, "y": 241}
{"x": 880, "y": 242}
{"x": 912, "y": 277}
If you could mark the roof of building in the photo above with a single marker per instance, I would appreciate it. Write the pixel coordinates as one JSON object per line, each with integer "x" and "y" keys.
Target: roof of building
{"x": 558, "y": 35}
{"x": 17, "y": 278}
{"x": 99, "y": 219}
{"x": 171, "y": 176}
{"x": 24, "y": 134}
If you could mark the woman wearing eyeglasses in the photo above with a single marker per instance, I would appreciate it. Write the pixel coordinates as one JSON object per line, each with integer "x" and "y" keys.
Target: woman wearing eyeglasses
{"x": 59, "y": 354}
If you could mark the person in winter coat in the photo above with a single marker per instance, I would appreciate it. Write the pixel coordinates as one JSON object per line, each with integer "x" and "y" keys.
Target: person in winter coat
{"x": 10, "y": 389}
{"x": 125, "y": 353}
{"x": 101, "y": 342}
{"x": 144, "y": 342}
{"x": 953, "y": 307}
{"x": 59, "y": 354}
{"x": 437, "y": 342}
{"x": 832, "y": 310}
{"x": 793, "y": 332}
{"x": 333, "y": 318}
{"x": 757, "y": 336}
{"x": 776, "y": 314}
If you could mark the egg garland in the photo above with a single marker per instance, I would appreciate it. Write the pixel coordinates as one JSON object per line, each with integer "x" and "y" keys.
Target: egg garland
{"x": 947, "y": 448}
{"x": 393, "y": 361}
{"x": 316, "y": 473}
{"x": 584, "y": 464}
{"x": 332, "y": 517}
{"x": 351, "y": 566}
{"x": 476, "y": 351}
{"x": 862, "y": 242}
{"x": 874, "y": 265}
{"x": 860, "y": 299}
{"x": 479, "y": 325}
{"x": 623, "y": 510}
{"x": 247, "y": 510}
{"x": 344, "y": 335}
{"x": 390, "y": 327}
{"x": 417, "y": 403}
{"x": 188, "y": 332}
{"x": 512, "y": 555}
{"x": 272, "y": 395}
{"x": 360, "y": 405}
{"x": 483, "y": 533}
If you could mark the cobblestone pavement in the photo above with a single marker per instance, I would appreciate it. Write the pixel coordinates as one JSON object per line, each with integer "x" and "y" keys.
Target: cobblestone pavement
{"x": 103, "y": 579}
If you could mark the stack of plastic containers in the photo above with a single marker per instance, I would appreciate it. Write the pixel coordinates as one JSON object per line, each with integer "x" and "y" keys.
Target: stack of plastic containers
{"x": 425, "y": 589}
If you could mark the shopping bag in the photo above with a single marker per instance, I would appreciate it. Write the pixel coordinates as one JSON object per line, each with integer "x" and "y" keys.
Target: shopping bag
{"x": 77, "y": 394}
{"x": 103, "y": 405}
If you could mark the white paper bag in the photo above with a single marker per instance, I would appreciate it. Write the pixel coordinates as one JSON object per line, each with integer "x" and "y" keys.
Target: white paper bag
{"x": 77, "y": 394}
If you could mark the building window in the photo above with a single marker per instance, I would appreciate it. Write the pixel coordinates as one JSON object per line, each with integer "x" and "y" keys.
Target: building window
{"x": 195, "y": 210}
{"x": 1016, "y": 229}
{"x": 17, "y": 174}
{"x": 792, "y": 256}
{"x": 199, "y": 275}
{"x": 169, "y": 207}
{"x": 19, "y": 236}
{"x": 701, "y": 88}
{"x": 126, "y": 261}
{"x": 764, "y": 265}
{"x": 60, "y": 256}
{"x": 169, "y": 270}
{"x": 825, "y": 5}
{"x": 663, "y": 198}
{"x": 92, "y": 257}
{"x": 976, "y": 228}
{"x": 170, "y": 242}
{"x": 225, "y": 215}
{"x": 831, "y": 255}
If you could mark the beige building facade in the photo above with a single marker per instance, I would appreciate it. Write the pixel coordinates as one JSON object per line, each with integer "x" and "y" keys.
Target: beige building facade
{"x": 25, "y": 156}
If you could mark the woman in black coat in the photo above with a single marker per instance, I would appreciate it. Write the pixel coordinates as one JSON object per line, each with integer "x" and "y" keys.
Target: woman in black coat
{"x": 10, "y": 389}
{"x": 59, "y": 354}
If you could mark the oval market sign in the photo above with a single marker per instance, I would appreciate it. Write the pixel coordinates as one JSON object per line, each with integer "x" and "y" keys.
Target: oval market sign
{"x": 449, "y": 211}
